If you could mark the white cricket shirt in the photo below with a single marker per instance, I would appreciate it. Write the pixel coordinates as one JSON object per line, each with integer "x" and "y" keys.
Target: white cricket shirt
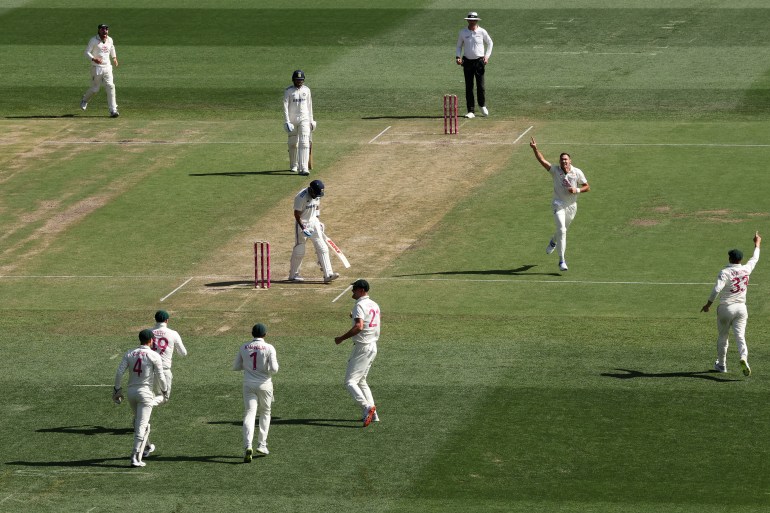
{"x": 104, "y": 50}
{"x": 166, "y": 342}
{"x": 309, "y": 206}
{"x": 562, "y": 182}
{"x": 144, "y": 366}
{"x": 297, "y": 105}
{"x": 733, "y": 281}
{"x": 369, "y": 311}
{"x": 470, "y": 43}
{"x": 257, "y": 360}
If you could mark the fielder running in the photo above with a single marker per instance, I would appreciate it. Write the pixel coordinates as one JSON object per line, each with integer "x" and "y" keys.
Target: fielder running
{"x": 166, "y": 342}
{"x": 298, "y": 122}
{"x": 732, "y": 312}
{"x": 258, "y": 361}
{"x": 365, "y": 332}
{"x": 145, "y": 368}
{"x": 568, "y": 182}
{"x": 100, "y": 50}
{"x": 307, "y": 208}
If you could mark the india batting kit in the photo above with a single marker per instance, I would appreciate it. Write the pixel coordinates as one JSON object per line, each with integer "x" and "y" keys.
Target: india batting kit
{"x": 298, "y": 113}
{"x": 311, "y": 209}
{"x": 732, "y": 284}
{"x": 102, "y": 73}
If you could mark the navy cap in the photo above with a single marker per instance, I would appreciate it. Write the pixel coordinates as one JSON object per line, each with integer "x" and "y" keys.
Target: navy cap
{"x": 103, "y": 26}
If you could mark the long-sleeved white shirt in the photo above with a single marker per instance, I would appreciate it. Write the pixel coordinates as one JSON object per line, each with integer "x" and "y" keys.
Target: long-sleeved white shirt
{"x": 470, "y": 43}
{"x": 104, "y": 50}
{"x": 144, "y": 366}
{"x": 733, "y": 281}
{"x": 297, "y": 105}
{"x": 166, "y": 342}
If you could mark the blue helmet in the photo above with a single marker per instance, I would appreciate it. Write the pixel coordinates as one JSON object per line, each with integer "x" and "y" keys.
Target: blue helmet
{"x": 298, "y": 75}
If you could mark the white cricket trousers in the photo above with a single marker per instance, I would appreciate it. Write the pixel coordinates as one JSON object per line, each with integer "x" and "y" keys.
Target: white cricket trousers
{"x": 141, "y": 401}
{"x": 299, "y": 146}
{"x": 257, "y": 397}
{"x": 735, "y": 315}
{"x": 102, "y": 75}
{"x": 358, "y": 368}
{"x": 319, "y": 243}
{"x": 562, "y": 217}
{"x": 169, "y": 379}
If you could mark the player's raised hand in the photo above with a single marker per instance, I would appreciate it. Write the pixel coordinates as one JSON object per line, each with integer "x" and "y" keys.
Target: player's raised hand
{"x": 757, "y": 239}
{"x": 532, "y": 143}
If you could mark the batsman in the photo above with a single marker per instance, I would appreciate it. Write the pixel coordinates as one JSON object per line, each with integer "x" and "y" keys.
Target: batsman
{"x": 298, "y": 122}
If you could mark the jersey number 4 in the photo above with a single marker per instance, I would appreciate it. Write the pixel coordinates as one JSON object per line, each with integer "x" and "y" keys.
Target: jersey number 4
{"x": 138, "y": 367}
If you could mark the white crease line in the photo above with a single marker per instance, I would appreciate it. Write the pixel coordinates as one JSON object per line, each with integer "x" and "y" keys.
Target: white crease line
{"x": 179, "y": 287}
{"x": 5, "y": 499}
{"x": 376, "y": 136}
{"x": 523, "y": 134}
{"x": 554, "y": 281}
{"x": 160, "y": 142}
{"x": 341, "y": 293}
{"x": 675, "y": 145}
{"x": 91, "y": 385}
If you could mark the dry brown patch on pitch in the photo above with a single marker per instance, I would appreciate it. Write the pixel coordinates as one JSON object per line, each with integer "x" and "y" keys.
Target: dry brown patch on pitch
{"x": 380, "y": 200}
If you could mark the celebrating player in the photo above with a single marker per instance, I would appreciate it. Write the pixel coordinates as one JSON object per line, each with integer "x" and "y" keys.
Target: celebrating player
{"x": 365, "y": 332}
{"x": 298, "y": 122}
{"x": 307, "y": 208}
{"x": 732, "y": 312}
{"x": 258, "y": 361}
{"x": 100, "y": 50}
{"x": 166, "y": 342}
{"x": 568, "y": 182}
{"x": 145, "y": 368}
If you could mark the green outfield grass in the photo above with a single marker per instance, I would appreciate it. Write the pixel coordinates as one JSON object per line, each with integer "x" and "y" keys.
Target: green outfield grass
{"x": 503, "y": 385}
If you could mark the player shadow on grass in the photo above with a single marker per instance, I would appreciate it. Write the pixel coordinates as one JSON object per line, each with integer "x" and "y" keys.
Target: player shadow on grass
{"x": 710, "y": 375}
{"x": 41, "y": 117}
{"x": 519, "y": 271}
{"x": 87, "y": 430}
{"x": 250, "y": 283}
{"x": 239, "y": 174}
{"x": 122, "y": 461}
{"x": 336, "y": 423}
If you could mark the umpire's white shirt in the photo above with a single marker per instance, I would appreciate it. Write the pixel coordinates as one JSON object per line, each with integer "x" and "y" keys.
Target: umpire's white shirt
{"x": 369, "y": 311}
{"x": 470, "y": 43}
{"x": 562, "y": 181}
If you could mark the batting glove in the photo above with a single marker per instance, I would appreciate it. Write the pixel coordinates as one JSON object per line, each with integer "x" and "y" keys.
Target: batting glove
{"x": 312, "y": 125}
{"x": 117, "y": 395}
{"x": 289, "y": 128}
{"x": 307, "y": 231}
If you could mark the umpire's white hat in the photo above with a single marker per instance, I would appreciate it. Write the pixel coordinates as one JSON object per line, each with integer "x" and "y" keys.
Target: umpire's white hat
{"x": 473, "y": 15}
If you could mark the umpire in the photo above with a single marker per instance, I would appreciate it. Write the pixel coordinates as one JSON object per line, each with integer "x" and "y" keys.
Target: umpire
{"x": 473, "y": 57}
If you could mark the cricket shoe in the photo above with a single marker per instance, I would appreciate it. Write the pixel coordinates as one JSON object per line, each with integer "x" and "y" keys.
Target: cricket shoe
{"x": 746, "y": 368}
{"x": 331, "y": 277}
{"x": 114, "y": 114}
{"x": 247, "y": 455}
{"x": 550, "y": 247}
{"x": 83, "y": 105}
{"x": 296, "y": 278}
{"x": 293, "y": 169}
{"x": 719, "y": 368}
{"x": 262, "y": 449}
{"x": 148, "y": 450}
{"x": 484, "y": 111}
{"x": 136, "y": 462}
{"x": 563, "y": 266}
{"x": 304, "y": 173}
{"x": 370, "y": 411}
{"x": 470, "y": 115}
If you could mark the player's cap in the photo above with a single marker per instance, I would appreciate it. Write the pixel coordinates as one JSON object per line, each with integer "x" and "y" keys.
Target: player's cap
{"x": 317, "y": 186}
{"x": 473, "y": 16}
{"x": 736, "y": 255}
{"x": 145, "y": 336}
{"x": 161, "y": 316}
{"x": 103, "y": 26}
{"x": 361, "y": 284}
{"x": 259, "y": 330}
{"x": 298, "y": 75}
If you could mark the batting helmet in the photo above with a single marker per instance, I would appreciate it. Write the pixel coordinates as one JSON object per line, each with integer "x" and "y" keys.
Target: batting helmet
{"x": 298, "y": 75}
{"x": 317, "y": 186}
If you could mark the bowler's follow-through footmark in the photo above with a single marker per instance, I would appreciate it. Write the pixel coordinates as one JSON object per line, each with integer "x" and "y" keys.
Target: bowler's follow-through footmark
{"x": 262, "y": 264}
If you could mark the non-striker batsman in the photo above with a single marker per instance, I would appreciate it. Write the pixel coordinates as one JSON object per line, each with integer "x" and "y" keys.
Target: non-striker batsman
{"x": 298, "y": 122}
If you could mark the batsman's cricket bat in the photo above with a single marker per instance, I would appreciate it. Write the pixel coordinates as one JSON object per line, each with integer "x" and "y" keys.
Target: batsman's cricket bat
{"x": 310, "y": 157}
{"x": 338, "y": 252}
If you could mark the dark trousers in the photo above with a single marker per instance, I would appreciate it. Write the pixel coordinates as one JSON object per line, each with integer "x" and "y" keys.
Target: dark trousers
{"x": 474, "y": 68}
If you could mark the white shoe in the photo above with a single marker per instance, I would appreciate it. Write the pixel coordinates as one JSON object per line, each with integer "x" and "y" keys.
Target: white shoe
{"x": 376, "y": 417}
{"x": 484, "y": 111}
{"x": 83, "y": 105}
{"x": 262, "y": 449}
{"x": 550, "y": 247}
{"x": 746, "y": 368}
{"x": 148, "y": 450}
{"x": 293, "y": 169}
{"x": 135, "y": 462}
{"x": 304, "y": 173}
{"x": 331, "y": 277}
{"x": 296, "y": 278}
{"x": 563, "y": 266}
{"x": 470, "y": 115}
{"x": 719, "y": 368}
